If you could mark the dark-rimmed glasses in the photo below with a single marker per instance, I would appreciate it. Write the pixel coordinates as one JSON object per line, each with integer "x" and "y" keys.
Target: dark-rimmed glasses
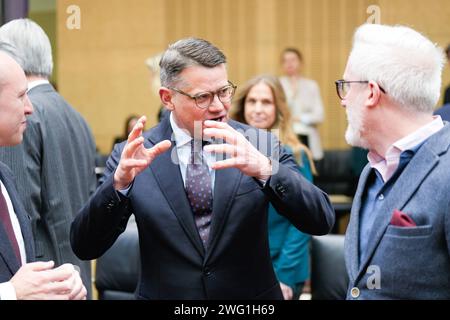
{"x": 204, "y": 99}
{"x": 343, "y": 87}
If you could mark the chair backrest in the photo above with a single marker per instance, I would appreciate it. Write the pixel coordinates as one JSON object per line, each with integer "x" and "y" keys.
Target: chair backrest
{"x": 329, "y": 279}
{"x": 335, "y": 172}
{"x": 117, "y": 270}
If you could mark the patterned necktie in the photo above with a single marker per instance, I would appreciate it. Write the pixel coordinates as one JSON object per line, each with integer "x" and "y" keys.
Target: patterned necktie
{"x": 199, "y": 190}
{"x": 5, "y": 219}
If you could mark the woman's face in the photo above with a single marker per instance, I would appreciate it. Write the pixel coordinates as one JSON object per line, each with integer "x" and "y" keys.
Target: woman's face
{"x": 291, "y": 64}
{"x": 259, "y": 108}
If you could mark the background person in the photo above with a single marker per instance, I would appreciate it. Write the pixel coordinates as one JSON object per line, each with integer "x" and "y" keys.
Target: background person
{"x": 20, "y": 277}
{"x": 398, "y": 238}
{"x": 55, "y": 165}
{"x": 304, "y": 101}
{"x": 262, "y": 104}
{"x": 202, "y": 219}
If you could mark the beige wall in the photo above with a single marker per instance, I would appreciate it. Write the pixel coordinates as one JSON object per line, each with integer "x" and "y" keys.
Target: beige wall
{"x": 101, "y": 66}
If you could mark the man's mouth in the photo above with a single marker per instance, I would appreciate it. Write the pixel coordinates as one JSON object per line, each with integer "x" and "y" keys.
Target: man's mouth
{"x": 219, "y": 119}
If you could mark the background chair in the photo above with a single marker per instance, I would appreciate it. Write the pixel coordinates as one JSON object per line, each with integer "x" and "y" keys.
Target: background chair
{"x": 339, "y": 172}
{"x": 117, "y": 270}
{"x": 329, "y": 278}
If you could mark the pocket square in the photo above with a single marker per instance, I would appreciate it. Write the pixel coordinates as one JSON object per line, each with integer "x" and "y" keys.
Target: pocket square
{"x": 401, "y": 219}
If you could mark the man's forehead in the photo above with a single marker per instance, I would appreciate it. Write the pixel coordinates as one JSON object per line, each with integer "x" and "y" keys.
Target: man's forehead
{"x": 199, "y": 77}
{"x": 347, "y": 73}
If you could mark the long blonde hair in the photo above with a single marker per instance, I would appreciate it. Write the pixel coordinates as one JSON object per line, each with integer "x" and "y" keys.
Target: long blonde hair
{"x": 282, "y": 118}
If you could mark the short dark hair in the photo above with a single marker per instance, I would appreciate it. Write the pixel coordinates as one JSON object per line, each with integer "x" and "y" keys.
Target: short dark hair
{"x": 188, "y": 52}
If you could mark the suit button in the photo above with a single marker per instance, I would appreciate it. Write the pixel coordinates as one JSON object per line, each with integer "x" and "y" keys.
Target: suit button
{"x": 207, "y": 272}
{"x": 280, "y": 188}
{"x": 355, "y": 292}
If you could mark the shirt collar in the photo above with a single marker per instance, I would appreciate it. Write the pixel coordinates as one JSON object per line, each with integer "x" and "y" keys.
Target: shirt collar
{"x": 420, "y": 135}
{"x": 181, "y": 136}
{"x": 387, "y": 166}
{"x": 36, "y": 83}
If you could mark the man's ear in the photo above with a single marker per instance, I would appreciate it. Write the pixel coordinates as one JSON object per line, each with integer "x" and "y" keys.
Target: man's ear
{"x": 374, "y": 94}
{"x": 166, "y": 98}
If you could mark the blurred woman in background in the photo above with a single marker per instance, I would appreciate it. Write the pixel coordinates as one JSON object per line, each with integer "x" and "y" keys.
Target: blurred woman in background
{"x": 262, "y": 104}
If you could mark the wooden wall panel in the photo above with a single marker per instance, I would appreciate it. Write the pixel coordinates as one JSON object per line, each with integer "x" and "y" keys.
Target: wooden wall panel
{"x": 102, "y": 72}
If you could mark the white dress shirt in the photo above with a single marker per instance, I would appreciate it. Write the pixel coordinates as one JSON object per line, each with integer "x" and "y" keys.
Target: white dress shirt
{"x": 36, "y": 83}
{"x": 183, "y": 146}
{"x": 7, "y": 291}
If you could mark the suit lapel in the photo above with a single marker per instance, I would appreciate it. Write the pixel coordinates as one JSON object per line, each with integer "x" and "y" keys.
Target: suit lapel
{"x": 352, "y": 236}
{"x": 7, "y": 252}
{"x": 167, "y": 173}
{"x": 225, "y": 186}
{"x": 23, "y": 218}
{"x": 402, "y": 190}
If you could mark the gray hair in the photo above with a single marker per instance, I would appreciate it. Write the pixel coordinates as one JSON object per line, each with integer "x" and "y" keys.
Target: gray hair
{"x": 402, "y": 61}
{"x": 11, "y": 51}
{"x": 185, "y": 53}
{"x": 32, "y": 44}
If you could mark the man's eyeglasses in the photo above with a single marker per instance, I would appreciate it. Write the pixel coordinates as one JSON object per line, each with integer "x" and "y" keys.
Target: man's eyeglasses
{"x": 343, "y": 87}
{"x": 204, "y": 99}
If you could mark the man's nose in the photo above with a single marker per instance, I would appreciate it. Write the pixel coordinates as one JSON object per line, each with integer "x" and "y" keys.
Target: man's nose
{"x": 28, "y": 107}
{"x": 216, "y": 104}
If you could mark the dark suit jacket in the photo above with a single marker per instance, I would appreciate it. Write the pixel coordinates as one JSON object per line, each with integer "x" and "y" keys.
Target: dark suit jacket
{"x": 8, "y": 261}
{"x": 409, "y": 262}
{"x": 55, "y": 172}
{"x": 444, "y": 111}
{"x": 174, "y": 264}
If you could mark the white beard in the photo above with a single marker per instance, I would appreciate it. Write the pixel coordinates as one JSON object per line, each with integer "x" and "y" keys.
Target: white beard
{"x": 355, "y": 125}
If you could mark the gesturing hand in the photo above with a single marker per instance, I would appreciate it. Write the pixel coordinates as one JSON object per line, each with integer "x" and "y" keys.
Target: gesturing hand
{"x": 135, "y": 157}
{"x": 243, "y": 155}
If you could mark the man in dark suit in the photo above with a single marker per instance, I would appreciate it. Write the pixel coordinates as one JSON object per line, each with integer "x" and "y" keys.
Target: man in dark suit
{"x": 19, "y": 279}
{"x": 447, "y": 89}
{"x": 444, "y": 112}
{"x": 398, "y": 239}
{"x": 55, "y": 164}
{"x": 202, "y": 219}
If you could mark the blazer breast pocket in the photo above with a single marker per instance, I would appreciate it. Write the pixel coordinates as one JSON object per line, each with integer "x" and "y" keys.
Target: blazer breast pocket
{"x": 409, "y": 232}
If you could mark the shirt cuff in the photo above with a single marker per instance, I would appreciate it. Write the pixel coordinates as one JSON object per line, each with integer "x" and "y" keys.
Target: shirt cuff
{"x": 125, "y": 192}
{"x": 7, "y": 291}
{"x": 262, "y": 182}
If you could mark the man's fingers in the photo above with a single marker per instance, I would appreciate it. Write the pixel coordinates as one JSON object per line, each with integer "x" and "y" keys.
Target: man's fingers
{"x": 61, "y": 273}
{"x": 81, "y": 294}
{"x": 137, "y": 129}
{"x": 78, "y": 290}
{"x": 222, "y": 148}
{"x": 229, "y": 136}
{"x": 216, "y": 124}
{"x": 40, "y": 265}
{"x": 129, "y": 164}
{"x": 159, "y": 148}
{"x": 224, "y": 164}
{"x": 132, "y": 147}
